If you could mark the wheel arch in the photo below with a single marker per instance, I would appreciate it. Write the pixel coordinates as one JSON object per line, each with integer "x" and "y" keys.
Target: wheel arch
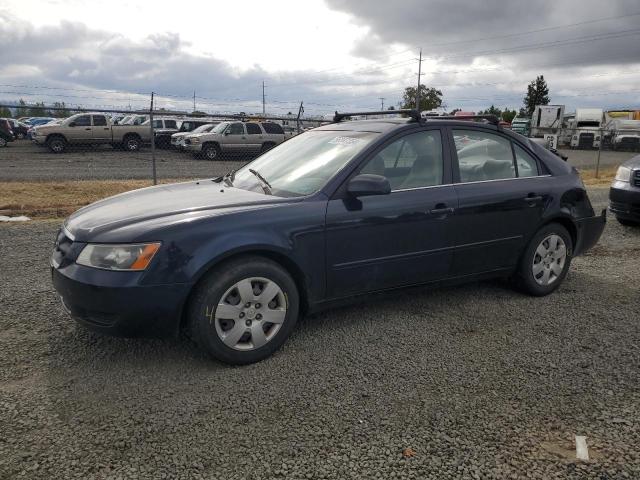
{"x": 270, "y": 253}
{"x": 55, "y": 135}
{"x": 568, "y": 223}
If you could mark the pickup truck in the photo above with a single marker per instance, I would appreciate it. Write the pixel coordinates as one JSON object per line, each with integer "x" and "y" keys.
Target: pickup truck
{"x": 91, "y": 129}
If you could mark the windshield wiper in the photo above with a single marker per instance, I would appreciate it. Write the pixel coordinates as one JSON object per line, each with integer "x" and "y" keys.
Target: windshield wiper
{"x": 266, "y": 186}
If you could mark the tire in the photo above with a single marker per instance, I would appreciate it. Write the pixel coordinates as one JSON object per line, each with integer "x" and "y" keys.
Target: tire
{"x": 211, "y": 152}
{"x": 626, "y": 222}
{"x": 131, "y": 143}
{"x": 3, "y": 142}
{"x": 57, "y": 144}
{"x": 20, "y": 136}
{"x": 266, "y": 147}
{"x": 236, "y": 339}
{"x": 542, "y": 267}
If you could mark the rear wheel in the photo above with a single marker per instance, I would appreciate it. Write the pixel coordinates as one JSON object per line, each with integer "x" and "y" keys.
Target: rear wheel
{"x": 546, "y": 260}
{"x": 266, "y": 147}
{"x": 57, "y": 144}
{"x": 211, "y": 151}
{"x": 132, "y": 143}
{"x": 244, "y": 311}
{"x": 3, "y": 142}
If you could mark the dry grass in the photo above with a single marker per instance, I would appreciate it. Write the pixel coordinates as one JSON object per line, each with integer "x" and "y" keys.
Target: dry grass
{"x": 605, "y": 176}
{"x": 59, "y": 199}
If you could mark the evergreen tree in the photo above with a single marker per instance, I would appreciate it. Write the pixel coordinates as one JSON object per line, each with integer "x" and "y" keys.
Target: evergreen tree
{"x": 537, "y": 94}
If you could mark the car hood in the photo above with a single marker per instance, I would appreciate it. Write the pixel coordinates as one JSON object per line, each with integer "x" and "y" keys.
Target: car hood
{"x": 127, "y": 216}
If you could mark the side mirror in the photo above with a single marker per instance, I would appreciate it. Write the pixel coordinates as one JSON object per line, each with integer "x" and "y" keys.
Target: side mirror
{"x": 227, "y": 132}
{"x": 72, "y": 124}
{"x": 367, "y": 184}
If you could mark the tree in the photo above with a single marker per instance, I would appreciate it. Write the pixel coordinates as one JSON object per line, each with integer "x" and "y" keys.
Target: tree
{"x": 62, "y": 113}
{"x": 5, "y": 113}
{"x": 21, "y": 111}
{"x": 37, "y": 110}
{"x": 430, "y": 98}
{"x": 453, "y": 112}
{"x": 491, "y": 111}
{"x": 508, "y": 115}
{"x": 537, "y": 94}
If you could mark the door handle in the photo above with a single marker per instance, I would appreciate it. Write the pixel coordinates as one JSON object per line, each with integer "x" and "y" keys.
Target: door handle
{"x": 441, "y": 210}
{"x": 533, "y": 198}
{"x": 88, "y": 128}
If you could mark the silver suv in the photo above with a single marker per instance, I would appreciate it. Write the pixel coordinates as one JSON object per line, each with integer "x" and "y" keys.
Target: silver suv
{"x": 235, "y": 137}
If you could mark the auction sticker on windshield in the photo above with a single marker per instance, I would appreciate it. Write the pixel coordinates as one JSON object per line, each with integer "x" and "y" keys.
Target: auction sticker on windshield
{"x": 345, "y": 141}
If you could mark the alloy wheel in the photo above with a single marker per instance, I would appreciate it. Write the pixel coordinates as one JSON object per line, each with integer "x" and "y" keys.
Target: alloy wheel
{"x": 549, "y": 260}
{"x": 250, "y": 313}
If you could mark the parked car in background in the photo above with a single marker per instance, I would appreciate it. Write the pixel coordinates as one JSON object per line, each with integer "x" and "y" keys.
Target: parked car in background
{"x": 6, "y": 132}
{"x": 624, "y": 134}
{"x": 19, "y": 129}
{"x": 624, "y": 194}
{"x": 343, "y": 210}
{"x": 290, "y": 131}
{"x": 177, "y": 139}
{"x": 163, "y": 128}
{"x": 91, "y": 129}
{"x": 235, "y": 137}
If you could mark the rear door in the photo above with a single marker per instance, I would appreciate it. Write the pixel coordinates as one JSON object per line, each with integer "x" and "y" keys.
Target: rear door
{"x": 101, "y": 131}
{"x": 501, "y": 197}
{"x": 255, "y": 137}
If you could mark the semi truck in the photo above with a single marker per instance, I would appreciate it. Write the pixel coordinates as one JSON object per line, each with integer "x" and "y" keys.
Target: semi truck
{"x": 586, "y": 128}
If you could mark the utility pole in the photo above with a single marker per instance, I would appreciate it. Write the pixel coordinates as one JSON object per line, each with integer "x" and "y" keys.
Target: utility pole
{"x": 300, "y": 112}
{"x": 153, "y": 142}
{"x": 419, "y": 75}
{"x": 263, "y": 101}
{"x": 194, "y": 100}
{"x": 381, "y": 103}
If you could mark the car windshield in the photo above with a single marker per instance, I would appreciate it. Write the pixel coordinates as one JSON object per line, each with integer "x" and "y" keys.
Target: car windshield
{"x": 304, "y": 164}
{"x": 202, "y": 128}
{"x": 220, "y": 127}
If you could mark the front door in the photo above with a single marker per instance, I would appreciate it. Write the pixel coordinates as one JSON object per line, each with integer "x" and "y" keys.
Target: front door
{"x": 500, "y": 201}
{"x": 403, "y": 238}
{"x": 235, "y": 138}
{"x": 80, "y": 132}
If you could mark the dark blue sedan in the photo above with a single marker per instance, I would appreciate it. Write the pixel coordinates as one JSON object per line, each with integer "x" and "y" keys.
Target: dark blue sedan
{"x": 347, "y": 209}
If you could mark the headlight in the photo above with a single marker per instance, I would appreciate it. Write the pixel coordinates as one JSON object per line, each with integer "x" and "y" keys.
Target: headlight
{"x": 623, "y": 174}
{"x": 134, "y": 257}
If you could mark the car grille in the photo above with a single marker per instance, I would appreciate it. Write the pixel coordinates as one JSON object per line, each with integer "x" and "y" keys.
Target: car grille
{"x": 636, "y": 178}
{"x": 585, "y": 140}
{"x": 61, "y": 249}
{"x": 620, "y": 207}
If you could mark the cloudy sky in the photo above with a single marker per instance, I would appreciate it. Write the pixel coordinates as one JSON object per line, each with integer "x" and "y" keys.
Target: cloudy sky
{"x": 332, "y": 54}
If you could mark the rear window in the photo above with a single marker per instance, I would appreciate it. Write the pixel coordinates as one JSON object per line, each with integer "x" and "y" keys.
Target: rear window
{"x": 99, "y": 121}
{"x": 253, "y": 129}
{"x": 273, "y": 128}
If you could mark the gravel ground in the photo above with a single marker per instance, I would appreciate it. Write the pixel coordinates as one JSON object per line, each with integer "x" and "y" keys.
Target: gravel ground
{"x": 478, "y": 381}
{"x": 23, "y": 160}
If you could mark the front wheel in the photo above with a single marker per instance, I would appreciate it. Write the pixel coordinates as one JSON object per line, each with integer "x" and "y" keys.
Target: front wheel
{"x": 57, "y": 144}
{"x": 3, "y": 142}
{"x": 132, "y": 143}
{"x": 546, "y": 260}
{"x": 626, "y": 222}
{"x": 243, "y": 311}
{"x": 211, "y": 152}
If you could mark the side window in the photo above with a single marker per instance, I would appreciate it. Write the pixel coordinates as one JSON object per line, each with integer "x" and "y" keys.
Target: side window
{"x": 99, "y": 121}
{"x": 170, "y": 124}
{"x": 483, "y": 156}
{"x": 236, "y": 129}
{"x": 157, "y": 124}
{"x": 412, "y": 161}
{"x": 527, "y": 166}
{"x": 83, "y": 121}
{"x": 273, "y": 128}
{"x": 253, "y": 129}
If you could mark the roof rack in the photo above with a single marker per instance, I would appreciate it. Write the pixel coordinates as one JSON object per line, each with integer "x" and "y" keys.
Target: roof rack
{"x": 490, "y": 118}
{"x": 338, "y": 117}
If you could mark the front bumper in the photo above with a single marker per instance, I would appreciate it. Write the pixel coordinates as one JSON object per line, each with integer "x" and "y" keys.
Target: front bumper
{"x": 589, "y": 231}
{"x": 114, "y": 303}
{"x": 624, "y": 201}
{"x": 193, "y": 147}
{"x": 38, "y": 139}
